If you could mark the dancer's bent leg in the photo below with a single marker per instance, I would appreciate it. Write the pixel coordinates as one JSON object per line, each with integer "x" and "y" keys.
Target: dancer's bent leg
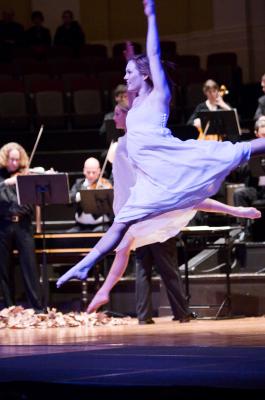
{"x": 210, "y": 205}
{"x": 117, "y": 270}
{"x": 108, "y": 242}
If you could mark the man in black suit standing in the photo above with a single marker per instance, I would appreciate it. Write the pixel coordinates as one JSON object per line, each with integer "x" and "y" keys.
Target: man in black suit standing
{"x": 260, "y": 111}
{"x": 164, "y": 257}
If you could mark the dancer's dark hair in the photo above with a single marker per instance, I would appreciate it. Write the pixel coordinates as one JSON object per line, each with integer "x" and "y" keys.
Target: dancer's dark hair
{"x": 143, "y": 66}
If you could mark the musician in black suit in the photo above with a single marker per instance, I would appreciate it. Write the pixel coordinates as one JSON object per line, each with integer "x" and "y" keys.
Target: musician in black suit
{"x": 16, "y": 228}
{"x": 163, "y": 256}
{"x": 260, "y": 111}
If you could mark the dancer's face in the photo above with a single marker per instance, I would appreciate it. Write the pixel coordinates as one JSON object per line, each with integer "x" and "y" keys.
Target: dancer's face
{"x": 133, "y": 78}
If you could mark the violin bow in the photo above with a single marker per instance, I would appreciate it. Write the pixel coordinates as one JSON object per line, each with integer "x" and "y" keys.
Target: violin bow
{"x": 35, "y": 145}
{"x": 104, "y": 166}
{"x": 206, "y": 129}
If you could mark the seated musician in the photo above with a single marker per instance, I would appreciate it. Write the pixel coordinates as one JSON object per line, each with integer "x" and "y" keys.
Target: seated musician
{"x": 214, "y": 102}
{"x": 91, "y": 180}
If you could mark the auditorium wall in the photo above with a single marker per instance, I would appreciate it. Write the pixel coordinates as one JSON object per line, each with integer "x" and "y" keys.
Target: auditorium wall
{"x": 198, "y": 27}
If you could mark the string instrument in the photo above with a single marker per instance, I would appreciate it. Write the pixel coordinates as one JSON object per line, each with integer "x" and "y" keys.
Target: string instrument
{"x": 101, "y": 183}
{"x": 203, "y": 133}
{"x": 223, "y": 91}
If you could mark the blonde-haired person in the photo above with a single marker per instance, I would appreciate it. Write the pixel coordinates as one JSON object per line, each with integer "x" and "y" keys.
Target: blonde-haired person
{"x": 16, "y": 228}
{"x": 214, "y": 102}
{"x": 5, "y": 154}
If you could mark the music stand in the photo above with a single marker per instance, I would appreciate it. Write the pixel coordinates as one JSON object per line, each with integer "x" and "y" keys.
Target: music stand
{"x": 112, "y": 133}
{"x": 42, "y": 190}
{"x": 229, "y": 239}
{"x": 97, "y": 201}
{"x": 224, "y": 123}
{"x": 185, "y": 132}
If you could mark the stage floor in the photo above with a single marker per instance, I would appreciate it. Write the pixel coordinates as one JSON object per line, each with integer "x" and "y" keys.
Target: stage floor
{"x": 209, "y": 356}
{"x": 165, "y": 332}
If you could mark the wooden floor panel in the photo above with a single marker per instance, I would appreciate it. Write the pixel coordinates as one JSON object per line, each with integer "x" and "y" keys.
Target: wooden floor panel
{"x": 165, "y": 332}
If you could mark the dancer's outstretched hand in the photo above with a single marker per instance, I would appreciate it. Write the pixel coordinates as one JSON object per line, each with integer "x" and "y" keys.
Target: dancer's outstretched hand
{"x": 149, "y": 7}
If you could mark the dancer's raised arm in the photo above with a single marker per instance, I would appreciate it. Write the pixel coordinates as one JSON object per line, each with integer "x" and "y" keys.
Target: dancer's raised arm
{"x": 153, "y": 52}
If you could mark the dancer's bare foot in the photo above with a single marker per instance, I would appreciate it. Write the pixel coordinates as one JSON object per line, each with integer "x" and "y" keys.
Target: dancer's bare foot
{"x": 99, "y": 300}
{"x": 248, "y": 212}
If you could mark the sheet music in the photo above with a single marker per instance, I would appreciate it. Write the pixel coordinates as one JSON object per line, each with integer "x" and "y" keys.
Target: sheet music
{"x": 206, "y": 228}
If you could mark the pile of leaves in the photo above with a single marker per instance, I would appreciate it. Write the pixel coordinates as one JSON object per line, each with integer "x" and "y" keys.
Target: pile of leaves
{"x": 17, "y": 317}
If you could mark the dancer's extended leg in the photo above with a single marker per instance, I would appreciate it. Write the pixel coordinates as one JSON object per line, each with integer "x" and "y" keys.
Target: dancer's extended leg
{"x": 210, "y": 205}
{"x": 257, "y": 146}
{"x": 117, "y": 270}
{"x": 108, "y": 242}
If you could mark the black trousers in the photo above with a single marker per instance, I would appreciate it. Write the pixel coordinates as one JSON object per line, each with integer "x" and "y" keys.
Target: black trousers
{"x": 164, "y": 257}
{"x": 245, "y": 196}
{"x": 19, "y": 235}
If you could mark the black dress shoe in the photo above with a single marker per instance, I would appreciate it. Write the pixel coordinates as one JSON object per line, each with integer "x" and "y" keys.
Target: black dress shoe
{"x": 149, "y": 321}
{"x": 186, "y": 318}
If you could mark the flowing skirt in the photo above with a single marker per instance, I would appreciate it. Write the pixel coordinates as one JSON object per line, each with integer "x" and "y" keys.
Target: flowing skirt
{"x": 171, "y": 174}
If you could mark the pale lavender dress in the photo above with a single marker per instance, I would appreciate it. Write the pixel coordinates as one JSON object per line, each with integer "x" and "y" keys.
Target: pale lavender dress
{"x": 159, "y": 179}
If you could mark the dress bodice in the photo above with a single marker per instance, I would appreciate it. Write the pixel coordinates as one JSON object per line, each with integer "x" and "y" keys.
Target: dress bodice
{"x": 144, "y": 118}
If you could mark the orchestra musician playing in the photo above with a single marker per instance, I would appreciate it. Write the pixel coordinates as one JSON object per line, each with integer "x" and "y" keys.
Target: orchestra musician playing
{"x": 16, "y": 231}
{"x": 213, "y": 102}
{"x": 91, "y": 180}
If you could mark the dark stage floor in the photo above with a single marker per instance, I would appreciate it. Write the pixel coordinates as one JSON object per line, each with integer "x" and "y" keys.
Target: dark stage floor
{"x": 110, "y": 367}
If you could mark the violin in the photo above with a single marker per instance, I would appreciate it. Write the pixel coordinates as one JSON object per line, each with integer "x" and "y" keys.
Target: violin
{"x": 223, "y": 91}
{"x": 41, "y": 171}
{"x": 33, "y": 171}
